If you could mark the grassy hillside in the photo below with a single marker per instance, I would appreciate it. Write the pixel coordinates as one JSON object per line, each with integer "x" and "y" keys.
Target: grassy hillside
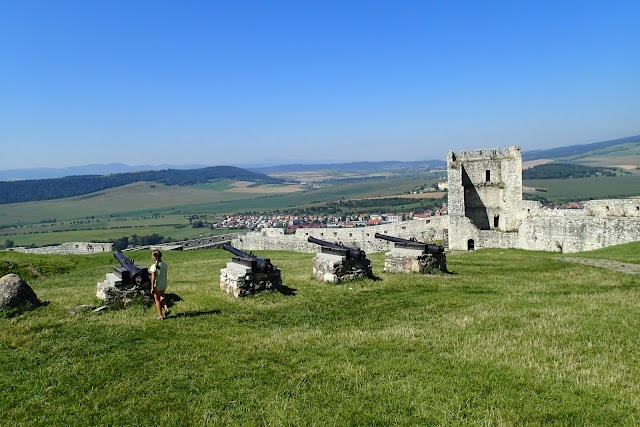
{"x": 578, "y": 189}
{"x": 220, "y": 197}
{"x": 584, "y": 150}
{"x": 70, "y": 186}
{"x": 547, "y": 342}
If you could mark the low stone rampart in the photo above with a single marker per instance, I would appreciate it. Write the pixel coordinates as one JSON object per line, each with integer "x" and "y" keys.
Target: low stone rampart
{"x": 429, "y": 230}
{"x": 599, "y": 224}
{"x": 76, "y": 248}
{"x": 607, "y": 208}
{"x": 576, "y": 234}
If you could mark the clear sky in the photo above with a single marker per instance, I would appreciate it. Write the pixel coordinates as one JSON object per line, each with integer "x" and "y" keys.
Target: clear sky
{"x": 277, "y": 82}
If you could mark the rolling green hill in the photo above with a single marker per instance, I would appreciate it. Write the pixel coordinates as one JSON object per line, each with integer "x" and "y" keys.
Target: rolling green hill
{"x": 56, "y": 188}
{"x": 617, "y": 147}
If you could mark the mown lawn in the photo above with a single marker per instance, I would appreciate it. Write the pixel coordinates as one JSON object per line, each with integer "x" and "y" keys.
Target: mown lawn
{"x": 513, "y": 338}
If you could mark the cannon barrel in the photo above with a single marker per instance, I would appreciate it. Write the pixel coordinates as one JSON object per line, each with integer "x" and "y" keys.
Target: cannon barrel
{"x": 235, "y": 251}
{"x": 393, "y": 239}
{"x": 262, "y": 264}
{"x": 353, "y": 252}
{"x": 429, "y": 247}
{"x": 136, "y": 273}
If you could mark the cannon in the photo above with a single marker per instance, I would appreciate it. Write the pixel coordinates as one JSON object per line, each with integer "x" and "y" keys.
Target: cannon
{"x": 412, "y": 244}
{"x": 129, "y": 272}
{"x": 351, "y": 252}
{"x": 262, "y": 265}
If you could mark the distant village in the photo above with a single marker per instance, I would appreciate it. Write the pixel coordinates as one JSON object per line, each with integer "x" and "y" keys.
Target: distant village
{"x": 291, "y": 222}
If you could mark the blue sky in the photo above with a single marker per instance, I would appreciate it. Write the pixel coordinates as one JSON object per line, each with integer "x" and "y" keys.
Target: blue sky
{"x": 277, "y": 82}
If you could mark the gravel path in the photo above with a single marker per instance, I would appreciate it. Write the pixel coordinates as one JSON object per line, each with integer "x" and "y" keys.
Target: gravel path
{"x": 605, "y": 263}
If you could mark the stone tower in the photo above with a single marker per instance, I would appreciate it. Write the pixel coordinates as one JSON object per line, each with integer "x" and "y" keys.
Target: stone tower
{"x": 485, "y": 193}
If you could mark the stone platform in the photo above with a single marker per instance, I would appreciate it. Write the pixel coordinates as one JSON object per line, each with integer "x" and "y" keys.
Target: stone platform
{"x": 405, "y": 260}
{"x": 241, "y": 280}
{"x": 116, "y": 292}
{"x": 335, "y": 268}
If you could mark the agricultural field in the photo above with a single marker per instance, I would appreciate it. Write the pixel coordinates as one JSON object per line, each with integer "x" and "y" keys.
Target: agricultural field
{"x": 579, "y": 189}
{"x": 23, "y": 237}
{"x": 146, "y": 208}
{"x": 546, "y": 343}
{"x": 625, "y": 156}
{"x": 132, "y": 200}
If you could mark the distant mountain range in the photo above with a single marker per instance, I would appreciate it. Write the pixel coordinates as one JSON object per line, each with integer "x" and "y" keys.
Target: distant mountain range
{"x": 624, "y": 147}
{"x": 353, "y": 166}
{"x": 104, "y": 169}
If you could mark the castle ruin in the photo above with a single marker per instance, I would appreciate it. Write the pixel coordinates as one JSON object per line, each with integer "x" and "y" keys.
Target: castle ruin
{"x": 486, "y": 210}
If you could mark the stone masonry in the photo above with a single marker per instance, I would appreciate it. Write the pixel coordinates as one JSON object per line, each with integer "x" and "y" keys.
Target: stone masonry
{"x": 406, "y": 260}
{"x": 241, "y": 280}
{"x": 334, "y": 268}
{"x": 486, "y": 210}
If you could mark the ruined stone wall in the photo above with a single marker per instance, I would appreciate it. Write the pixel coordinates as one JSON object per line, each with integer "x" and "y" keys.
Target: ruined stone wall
{"x": 486, "y": 187}
{"x": 608, "y": 208}
{"x": 556, "y": 230}
{"x": 485, "y": 192}
{"x": 573, "y": 233}
{"x": 429, "y": 230}
{"x": 78, "y": 248}
{"x": 474, "y": 205}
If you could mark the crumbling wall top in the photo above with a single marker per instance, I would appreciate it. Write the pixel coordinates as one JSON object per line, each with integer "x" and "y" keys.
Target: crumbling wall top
{"x": 485, "y": 154}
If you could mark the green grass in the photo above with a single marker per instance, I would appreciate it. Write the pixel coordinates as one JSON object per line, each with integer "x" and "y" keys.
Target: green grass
{"x": 624, "y": 253}
{"x": 106, "y": 234}
{"x": 104, "y": 229}
{"x": 513, "y": 338}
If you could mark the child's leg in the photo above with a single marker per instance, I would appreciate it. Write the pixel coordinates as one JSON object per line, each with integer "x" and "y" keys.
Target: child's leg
{"x": 163, "y": 303}
{"x": 157, "y": 298}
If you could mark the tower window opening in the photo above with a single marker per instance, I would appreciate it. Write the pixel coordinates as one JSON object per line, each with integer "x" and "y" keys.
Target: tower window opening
{"x": 487, "y": 176}
{"x": 496, "y": 220}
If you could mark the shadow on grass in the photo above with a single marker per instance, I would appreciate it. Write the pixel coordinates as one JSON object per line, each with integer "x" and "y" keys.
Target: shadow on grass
{"x": 195, "y": 314}
{"x": 287, "y": 291}
{"x": 9, "y": 312}
{"x": 172, "y": 299}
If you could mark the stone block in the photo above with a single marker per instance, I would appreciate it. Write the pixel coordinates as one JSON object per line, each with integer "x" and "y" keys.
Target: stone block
{"x": 422, "y": 263}
{"x": 335, "y": 269}
{"x": 240, "y": 281}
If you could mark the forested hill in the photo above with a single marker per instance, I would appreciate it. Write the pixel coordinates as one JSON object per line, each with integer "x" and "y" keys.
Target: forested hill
{"x": 47, "y": 189}
{"x": 564, "y": 170}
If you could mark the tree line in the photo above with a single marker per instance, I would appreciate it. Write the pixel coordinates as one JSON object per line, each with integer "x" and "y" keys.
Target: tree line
{"x": 565, "y": 170}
